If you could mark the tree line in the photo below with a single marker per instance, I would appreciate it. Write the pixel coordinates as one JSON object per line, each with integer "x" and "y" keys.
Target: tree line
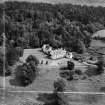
{"x": 30, "y": 25}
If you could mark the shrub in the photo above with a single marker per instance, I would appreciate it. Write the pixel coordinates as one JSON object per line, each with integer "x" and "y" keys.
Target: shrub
{"x": 70, "y": 65}
{"x": 100, "y": 68}
{"x": 32, "y": 58}
{"x": 59, "y": 85}
{"x": 64, "y": 74}
{"x": 78, "y": 46}
{"x": 60, "y": 99}
{"x": 70, "y": 77}
{"x": 78, "y": 72}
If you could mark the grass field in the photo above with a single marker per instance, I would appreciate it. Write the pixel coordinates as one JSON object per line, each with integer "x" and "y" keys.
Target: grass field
{"x": 50, "y": 72}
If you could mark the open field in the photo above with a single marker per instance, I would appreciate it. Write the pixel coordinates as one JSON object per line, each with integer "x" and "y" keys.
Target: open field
{"x": 50, "y": 72}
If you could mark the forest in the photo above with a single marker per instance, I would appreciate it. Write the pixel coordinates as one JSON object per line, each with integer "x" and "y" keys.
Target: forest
{"x": 30, "y": 25}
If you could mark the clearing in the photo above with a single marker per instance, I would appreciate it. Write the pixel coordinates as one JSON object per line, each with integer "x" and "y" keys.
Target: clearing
{"x": 50, "y": 72}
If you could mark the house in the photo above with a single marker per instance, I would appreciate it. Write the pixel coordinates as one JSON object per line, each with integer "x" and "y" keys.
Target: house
{"x": 58, "y": 53}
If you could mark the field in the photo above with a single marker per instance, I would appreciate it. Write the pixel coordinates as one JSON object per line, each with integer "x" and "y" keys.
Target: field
{"x": 35, "y": 92}
{"x": 51, "y": 71}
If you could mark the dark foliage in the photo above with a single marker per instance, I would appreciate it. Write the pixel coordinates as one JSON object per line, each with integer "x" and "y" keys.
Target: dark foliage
{"x": 30, "y": 25}
{"x": 70, "y": 65}
{"x": 12, "y": 56}
{"x": 53, "y": 98}
{"x": 19, "y": 50}
{"x": 100, "y": 67}
{"x": 33, "y": 59}
{"x": 26, "y": 73}
{"x": 59, "y": 97}
{"x": 59, "y": 85}
{"x": 78, "y": 72}
{"x": 67, "y": 75}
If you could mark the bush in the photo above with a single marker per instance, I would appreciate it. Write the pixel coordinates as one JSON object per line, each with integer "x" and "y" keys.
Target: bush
{"x": 32, "y": 58}
{"x": 78, "y": 46}
{"x": 100, "y": 67}
{"x": 59, "y": 99}
{"x": 70, "y": 65}
{"x": 59, "y": 85}
{"x": 70, "y": 78}
{"x": 78, "y": 72}
{"x": 26, "y": 73}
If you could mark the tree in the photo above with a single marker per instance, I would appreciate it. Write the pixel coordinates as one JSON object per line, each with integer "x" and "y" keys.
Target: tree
{"x": 34, "y": 41}
{"x": 33, "y": 59}
{"x": 26, "y": 73}
{"x": 100, "y": 65}
{"x": 78, "y": 46}
{"x": 70, "y": 65}
{"x": 12, "y": 56}
{"x": 19, "y": 51}
{"x": 59, "y": 97}
{"x": 59, "y": 85}
{"x": 22, "y": 42}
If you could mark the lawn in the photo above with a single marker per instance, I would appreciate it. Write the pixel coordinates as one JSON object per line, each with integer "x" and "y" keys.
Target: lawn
{"x": 51, "y": 71}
